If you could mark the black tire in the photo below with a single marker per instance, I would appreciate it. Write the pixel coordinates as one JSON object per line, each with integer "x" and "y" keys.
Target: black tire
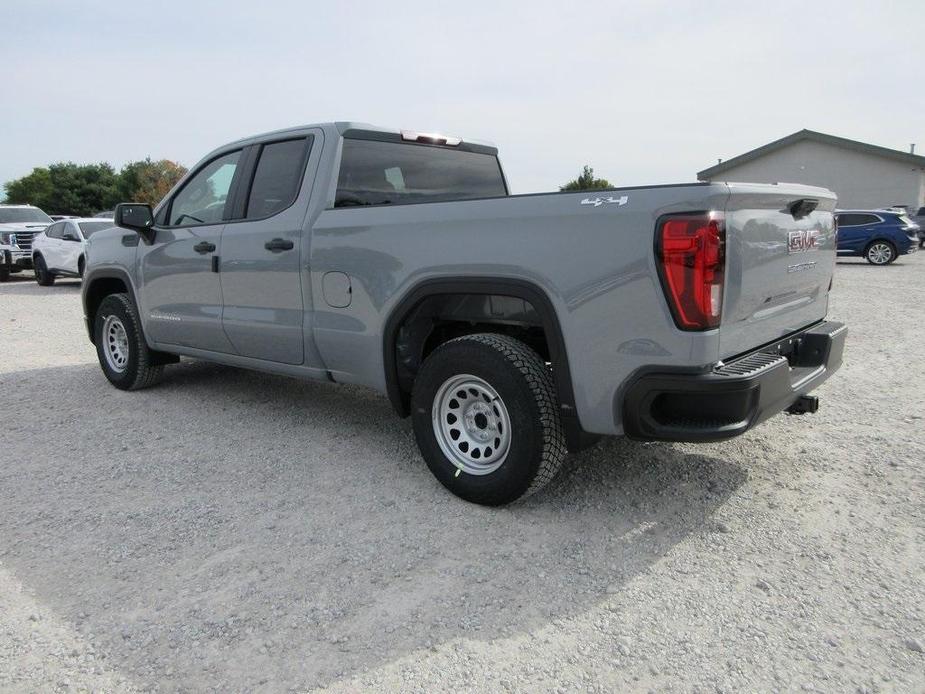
{"x": 139, "y": 370}
{"x": 80, "y": 267}
{"x": 4, "y": 273}
{"x": 42, "y": 275}
{"x": 880, "y": 243}
{"x": 524, "y": 384}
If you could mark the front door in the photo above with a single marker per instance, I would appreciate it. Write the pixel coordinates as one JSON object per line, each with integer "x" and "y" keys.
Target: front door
{"x": 71, "y": 246}
{"x": 53, "y": 251}
{"x": 182, "y": 296}
{"x": 262, "y": 247}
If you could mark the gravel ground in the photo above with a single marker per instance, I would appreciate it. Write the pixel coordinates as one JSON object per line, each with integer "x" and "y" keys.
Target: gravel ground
{"x": 234, "y": 531}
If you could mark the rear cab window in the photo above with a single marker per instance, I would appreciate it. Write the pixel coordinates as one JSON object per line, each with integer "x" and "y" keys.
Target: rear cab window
{"x": 378, "y": 172}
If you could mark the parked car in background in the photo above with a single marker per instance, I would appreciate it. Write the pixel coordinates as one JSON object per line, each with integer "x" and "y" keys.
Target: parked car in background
{"x": 105, "y": 214}
{"x": 59, "y": 217}
{"x": 60, "y": 250}
{"x": 880, "y": 236}
{"x": 919, "y": 218}
{"x": 18, "y": 225}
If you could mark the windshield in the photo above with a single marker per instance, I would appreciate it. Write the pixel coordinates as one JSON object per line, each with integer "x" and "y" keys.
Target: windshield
{"x": 18, "y": 215}
{"x": 90, "y": 228}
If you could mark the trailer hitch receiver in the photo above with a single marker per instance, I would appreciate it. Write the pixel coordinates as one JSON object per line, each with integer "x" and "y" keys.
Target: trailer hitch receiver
{"x": 805, "y": 404}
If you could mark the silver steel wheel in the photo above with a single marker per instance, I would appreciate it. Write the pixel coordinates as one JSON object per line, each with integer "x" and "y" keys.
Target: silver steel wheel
{"x": 471, "y": 424}
{"x": 115, "y": 343}
{"x": 880, "y": 253}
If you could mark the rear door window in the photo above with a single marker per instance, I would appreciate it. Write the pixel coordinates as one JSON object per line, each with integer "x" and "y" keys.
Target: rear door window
{"x": 853, "y": 219}
{"x": 277, "y": 177}
{"x": 390, "y": 173}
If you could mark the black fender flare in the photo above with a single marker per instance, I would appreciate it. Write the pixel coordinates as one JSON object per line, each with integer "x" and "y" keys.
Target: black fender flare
{"x": 93, "y": 276}
{"x": 503, "y": 286}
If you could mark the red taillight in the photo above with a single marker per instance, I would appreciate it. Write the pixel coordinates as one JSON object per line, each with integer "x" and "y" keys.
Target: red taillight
{"x": 691, "y": 249}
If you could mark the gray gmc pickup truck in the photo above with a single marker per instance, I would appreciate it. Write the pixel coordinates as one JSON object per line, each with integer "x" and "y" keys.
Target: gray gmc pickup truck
{"x": 511, "y": 328}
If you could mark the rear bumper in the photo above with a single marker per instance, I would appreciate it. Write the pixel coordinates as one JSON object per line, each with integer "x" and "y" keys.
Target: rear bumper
{"x": 731, "y": 399}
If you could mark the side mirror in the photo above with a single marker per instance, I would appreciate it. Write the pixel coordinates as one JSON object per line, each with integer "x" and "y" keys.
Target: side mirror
{"x": 136, "y": 216}
{"x": 69, "y": 236}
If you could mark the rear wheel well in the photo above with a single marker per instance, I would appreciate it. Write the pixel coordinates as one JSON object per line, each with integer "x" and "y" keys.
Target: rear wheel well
{"x": 440, "y": 310}
{"x": 444, "y": 317}
{"x": 98, "y": 290}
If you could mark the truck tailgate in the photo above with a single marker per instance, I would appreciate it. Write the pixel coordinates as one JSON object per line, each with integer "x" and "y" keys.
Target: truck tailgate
{"x": 780, "y": 257}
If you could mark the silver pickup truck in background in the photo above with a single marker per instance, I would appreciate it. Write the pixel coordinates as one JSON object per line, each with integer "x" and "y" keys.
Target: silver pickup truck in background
{"x": 509, "y": 327}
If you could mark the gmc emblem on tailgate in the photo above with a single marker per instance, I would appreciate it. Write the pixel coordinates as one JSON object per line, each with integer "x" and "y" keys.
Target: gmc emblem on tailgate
{"x": 800, "y": 241}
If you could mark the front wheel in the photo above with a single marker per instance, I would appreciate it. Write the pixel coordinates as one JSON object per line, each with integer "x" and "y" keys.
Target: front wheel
{"x": 486, "y": 418}
{"x": 42, "y": 275}
{"x": 124, "y": 355}
{"x": 4, "y": 273}
{"x": 880, "y": 253}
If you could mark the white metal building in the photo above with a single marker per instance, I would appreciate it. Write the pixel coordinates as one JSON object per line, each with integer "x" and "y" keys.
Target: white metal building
{"x": 864, "y": 176}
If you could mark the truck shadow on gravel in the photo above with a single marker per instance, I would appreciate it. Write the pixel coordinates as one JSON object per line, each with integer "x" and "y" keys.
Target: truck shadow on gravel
{"x": 234, "y": 530}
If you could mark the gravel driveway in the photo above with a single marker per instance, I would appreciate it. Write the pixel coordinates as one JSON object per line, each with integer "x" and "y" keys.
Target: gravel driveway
{"x": 233, "y": 531}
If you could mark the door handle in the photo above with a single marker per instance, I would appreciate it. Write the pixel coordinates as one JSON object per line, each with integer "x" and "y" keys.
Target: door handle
{"x": 204, "y": 247}
{"x": 277, "y": 245}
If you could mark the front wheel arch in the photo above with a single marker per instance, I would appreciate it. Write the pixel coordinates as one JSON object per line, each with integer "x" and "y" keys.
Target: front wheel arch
{"x": 98, "y": 285}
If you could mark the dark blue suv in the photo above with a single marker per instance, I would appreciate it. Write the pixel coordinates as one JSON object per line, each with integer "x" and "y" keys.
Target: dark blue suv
{"x": 881, "y": 236}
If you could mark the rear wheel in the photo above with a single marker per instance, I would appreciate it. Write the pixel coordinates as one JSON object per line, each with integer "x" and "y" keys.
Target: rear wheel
{"x": 880, "y": 253}
{"x": 4, "y": 273}
{"x": 120, "y": 345}
{"x": 42, "y": 275}
{"x": 486, "y": 418}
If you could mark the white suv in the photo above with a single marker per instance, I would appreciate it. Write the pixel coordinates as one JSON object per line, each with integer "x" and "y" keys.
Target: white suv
{"x": 18, "y": 226}
{"x": 60, "y": 250}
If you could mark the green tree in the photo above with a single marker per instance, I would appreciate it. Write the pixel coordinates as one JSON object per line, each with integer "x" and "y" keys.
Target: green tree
{"x": 67, "y": 188}
{"x": 85, "y": 189}
{"x": 148, "y": 181}
{"x": 34, "y": 189}
{"x": 586, "y": 181}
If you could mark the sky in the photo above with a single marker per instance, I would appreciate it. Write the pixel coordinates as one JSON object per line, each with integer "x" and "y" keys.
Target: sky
{"x": 646, "y": 92}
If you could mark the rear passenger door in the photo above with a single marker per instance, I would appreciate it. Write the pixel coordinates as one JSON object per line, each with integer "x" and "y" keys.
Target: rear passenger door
{"x": 262, "y": 250}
